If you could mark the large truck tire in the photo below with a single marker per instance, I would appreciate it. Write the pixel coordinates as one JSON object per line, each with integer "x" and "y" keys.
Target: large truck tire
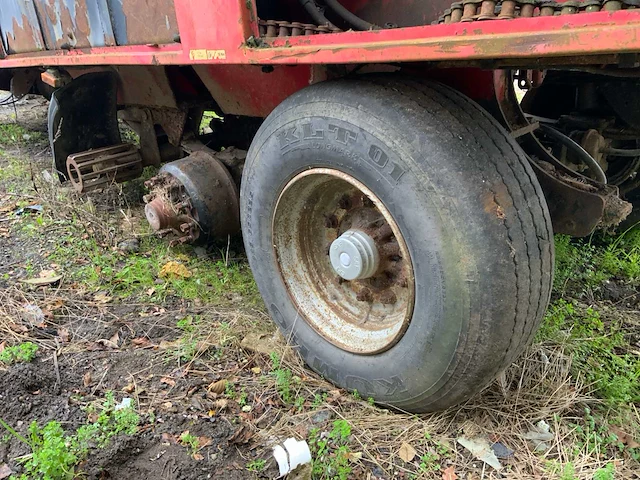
{"x": 399, "y": 238}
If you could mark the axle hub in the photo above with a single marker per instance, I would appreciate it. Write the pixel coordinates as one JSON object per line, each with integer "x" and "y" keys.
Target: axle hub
{"x": 195, "y": 199}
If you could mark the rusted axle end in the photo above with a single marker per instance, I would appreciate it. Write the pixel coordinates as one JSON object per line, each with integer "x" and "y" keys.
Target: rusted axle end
{"x": 194, "y": 199}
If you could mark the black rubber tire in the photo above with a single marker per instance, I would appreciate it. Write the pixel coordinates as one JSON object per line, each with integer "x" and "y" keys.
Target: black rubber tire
{"x": 469, "y": 208}
{"x": 53, "y": 122}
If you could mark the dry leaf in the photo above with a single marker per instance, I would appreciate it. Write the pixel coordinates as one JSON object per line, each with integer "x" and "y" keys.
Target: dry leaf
{"x": 204, "y": 442}
{"x": 481, "y": 449}
{"x": 407, "y": 452}
{"x": 63, "y": 333}
{"x": 354, "y": 456}
{"x": 2, "y": 346}
{"x": 151, "y": 291}
{"x": 141, "y": 342}
{"x": 241, "y": 435}
{"x": 197, "y": 457}
{"x": 221, "y": 403}
{"x": 217, "y": 387}
{"x": 166, "y": 345}
{"x": 202, "y": 346}
{"x": 101, "y": 298}
{"x": 43, "y": 281}
{"x": 115, "y": 339}
{"x": 168, "y": 381}
{"x": 168, "y": 438}
{"x": 449, "y": 473}
{"x": 57, "y": 304}
{"x": 175, "y": 269}
{"x": 129, "y": 388}
{"x": 17, "y": 328}
{"x": 86, "y": 379}
{"x": 624, "y": 437}
{"x": 47, "y": 274}
{"x": 107, "y": 343}
{"x": 5, "y": 471}
{"x": 260, "y": 343}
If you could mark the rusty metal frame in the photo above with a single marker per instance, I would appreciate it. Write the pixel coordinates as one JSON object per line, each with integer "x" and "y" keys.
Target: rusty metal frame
{"x": 210, "y": 35}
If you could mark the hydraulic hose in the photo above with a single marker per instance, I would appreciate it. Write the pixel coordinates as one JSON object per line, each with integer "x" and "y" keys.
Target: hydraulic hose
{"x": 353, "y": 20}
{"x": 622, "y": 152}
{"x": 594, "y": 166}
{"x": 312, "y": 9}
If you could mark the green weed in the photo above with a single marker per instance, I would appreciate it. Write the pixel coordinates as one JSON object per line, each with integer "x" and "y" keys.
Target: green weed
{"x": 24, "y": 352}
{"x": 606, "y": 473}
{"x": 191, "y": 442}
{"x": 55, "y": 455}
{"x": 331, "y": 452}
{"x": 109, "y": 423}
{"x": 207, "y": 116}
{"x": 586, "y": 264}
{"x": 568, "y": 472}
{"x": 257, "y": 465}
{"x": 593, "y": 436}
{"x": 283, "y": 378}
{"x": 319, "y": 400}
{"x": 598, "y": 350}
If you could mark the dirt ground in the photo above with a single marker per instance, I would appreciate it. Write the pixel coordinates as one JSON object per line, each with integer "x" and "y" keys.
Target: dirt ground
{"x": 196, "y": 353}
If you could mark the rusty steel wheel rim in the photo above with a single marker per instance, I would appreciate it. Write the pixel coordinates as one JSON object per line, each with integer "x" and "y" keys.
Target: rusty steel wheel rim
{"x": 344, "y": 261}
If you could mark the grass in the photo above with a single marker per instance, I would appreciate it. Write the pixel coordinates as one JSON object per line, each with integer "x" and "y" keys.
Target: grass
{"x": 599, "y": 346}
{"x": 12, "y": 134}
{"x": 135, "y": 275}
{"x": 585, "y": 265}
{"x": 207, "y": 116}
{"x": 13, "y": 168}
{"x": 599, "y": 349}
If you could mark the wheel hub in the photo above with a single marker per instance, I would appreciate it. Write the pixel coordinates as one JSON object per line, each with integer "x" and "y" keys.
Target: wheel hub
{"x": 343, "y": 260}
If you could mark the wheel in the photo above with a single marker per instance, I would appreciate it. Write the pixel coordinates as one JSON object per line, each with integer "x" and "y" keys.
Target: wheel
{"x": 398, "y": 237}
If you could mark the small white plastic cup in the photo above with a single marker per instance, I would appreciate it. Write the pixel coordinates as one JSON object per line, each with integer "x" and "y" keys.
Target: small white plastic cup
{"x": 281, "y": 457}
{"x": 299, "y": 452}
{"x": 296, "y": 453}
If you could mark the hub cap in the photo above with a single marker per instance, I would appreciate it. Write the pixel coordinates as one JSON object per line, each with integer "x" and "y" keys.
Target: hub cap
{"x": 354, "y": 255}
{"x": 343, "y": 260}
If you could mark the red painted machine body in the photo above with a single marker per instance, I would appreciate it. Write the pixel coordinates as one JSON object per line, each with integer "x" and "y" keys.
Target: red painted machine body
{"x": 248, "y": 74}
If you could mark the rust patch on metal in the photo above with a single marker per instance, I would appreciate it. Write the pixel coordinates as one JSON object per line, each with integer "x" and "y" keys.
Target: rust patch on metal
{"x": 69, "y": 24}
{"x": 22, "y": 37}
{"x": 147, "y": 22}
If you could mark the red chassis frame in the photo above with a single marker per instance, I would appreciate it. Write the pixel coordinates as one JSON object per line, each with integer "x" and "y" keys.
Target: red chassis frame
{"x": 216, "y": 32}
